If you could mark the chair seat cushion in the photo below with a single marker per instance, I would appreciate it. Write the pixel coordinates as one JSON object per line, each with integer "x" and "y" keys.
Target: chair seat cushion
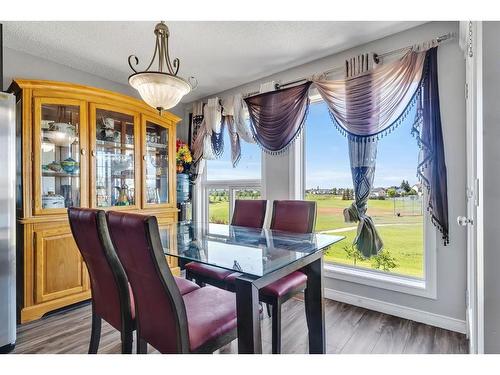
{"x": 295, "y": 281}
{"x": 208, "y": 271}
{"x": 231, "y": 279}
{"x": 185, "y": 286}
{"x": 211, "y": 313}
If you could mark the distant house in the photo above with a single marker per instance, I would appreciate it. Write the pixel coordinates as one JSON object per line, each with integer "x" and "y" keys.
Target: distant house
{"x": 400, "y": 191}
{"x": 378, "y": 193}
{"x": 418, "y": 189}
{"x": 319, "y": 191}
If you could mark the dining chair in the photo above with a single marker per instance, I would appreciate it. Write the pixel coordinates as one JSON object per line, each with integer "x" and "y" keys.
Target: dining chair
{"x": 247, "y": 213}
{"x": 112, "y": 297}
{"x": 201, "y": 321}
{"x": 290, "y": 216}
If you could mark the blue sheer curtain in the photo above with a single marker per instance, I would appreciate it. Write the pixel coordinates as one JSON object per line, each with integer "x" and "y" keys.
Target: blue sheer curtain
{"x": 362, "y": 156}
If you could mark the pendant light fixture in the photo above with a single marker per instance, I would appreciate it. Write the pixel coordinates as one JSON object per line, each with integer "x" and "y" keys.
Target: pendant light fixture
{"x": 161, "y": 89}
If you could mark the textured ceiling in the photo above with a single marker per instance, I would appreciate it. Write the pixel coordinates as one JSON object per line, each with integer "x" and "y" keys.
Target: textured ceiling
{"x": 221, "y": 55}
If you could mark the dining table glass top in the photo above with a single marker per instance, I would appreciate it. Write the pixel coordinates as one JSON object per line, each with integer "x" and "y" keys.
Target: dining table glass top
{"x": 251, "y": 251}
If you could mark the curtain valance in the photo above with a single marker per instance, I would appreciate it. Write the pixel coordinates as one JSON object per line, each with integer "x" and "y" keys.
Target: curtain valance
{"x": 370, "y": 104}
{"x": 276, "y": 117}
{"x": 208, "y": 134}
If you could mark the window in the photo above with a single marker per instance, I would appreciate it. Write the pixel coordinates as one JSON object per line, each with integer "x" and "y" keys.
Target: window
{"x": 223, "y": 183}
{"x": 248, "y": 168}
{"x": 395, "y": 204}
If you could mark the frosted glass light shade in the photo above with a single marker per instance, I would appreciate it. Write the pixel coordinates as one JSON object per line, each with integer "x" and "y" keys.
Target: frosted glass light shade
{"x": 160, "y": 90}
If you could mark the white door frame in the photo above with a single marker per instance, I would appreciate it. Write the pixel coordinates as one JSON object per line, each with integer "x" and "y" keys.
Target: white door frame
{"x": 471, "y": 43}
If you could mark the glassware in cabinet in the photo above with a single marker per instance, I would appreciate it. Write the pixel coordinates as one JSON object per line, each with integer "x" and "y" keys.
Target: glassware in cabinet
{"x": 156, "y": 163}
{"x": 59, "y": 147}
{"x": 114, "y": 158}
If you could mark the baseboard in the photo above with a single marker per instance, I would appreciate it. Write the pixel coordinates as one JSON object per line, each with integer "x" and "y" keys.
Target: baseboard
{"x": 420, "y": 316}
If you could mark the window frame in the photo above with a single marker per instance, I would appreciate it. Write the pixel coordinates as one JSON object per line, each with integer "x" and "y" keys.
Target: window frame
{"x": 200, "y": 191}
{"x": 426, "y": 287}
{"x": 231, "y": 186}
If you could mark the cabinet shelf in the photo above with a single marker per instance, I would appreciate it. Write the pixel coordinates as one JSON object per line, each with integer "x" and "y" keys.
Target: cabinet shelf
{"x": 65, "y": 145}
{"x": 155, "y": 177}
{"x": 60, "y": 174}
{"x": 157, "y": 146}
{"x": 114, "y": 145}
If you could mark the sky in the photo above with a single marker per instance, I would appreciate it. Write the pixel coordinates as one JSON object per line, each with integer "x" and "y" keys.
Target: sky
{"x": 327, "y": 158}
{"x": 249, "y": 166}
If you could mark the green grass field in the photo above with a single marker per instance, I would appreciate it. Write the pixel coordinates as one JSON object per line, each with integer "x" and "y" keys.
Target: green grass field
{"x": 402, "y": 236}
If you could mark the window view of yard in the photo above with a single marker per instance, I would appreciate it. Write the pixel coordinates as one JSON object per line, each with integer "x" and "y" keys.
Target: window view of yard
{"x": 218, "y": 199}
{"x": 402, "y": 235}
{"x": 395, "y": 202}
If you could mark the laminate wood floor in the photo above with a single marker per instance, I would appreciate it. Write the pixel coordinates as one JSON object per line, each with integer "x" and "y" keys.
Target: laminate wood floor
{"x": 349, "y": 329}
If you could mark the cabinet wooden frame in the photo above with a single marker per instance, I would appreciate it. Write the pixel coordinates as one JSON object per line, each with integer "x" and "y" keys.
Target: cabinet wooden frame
{"x": 171, "y": 228}
{"x": 171, "y": 159}
{"x": 49, "y": 277}
{"x": 38, "y": 102}
{"x": 93, "y": 108}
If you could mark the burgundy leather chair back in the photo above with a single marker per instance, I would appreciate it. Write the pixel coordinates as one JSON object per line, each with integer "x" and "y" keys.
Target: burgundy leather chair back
{"x": 294, "y": 216}
{"x": 249, "y": 213}
{"x": 109, "y": 284}
{"x": 160, "y": 312}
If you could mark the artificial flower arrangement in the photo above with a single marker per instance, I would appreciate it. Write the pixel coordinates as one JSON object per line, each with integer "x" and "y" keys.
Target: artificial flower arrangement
{"x": 183, "y": 157}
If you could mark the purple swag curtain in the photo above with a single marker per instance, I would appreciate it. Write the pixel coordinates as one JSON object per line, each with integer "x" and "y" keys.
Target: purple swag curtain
{"x": 276, "y": 117}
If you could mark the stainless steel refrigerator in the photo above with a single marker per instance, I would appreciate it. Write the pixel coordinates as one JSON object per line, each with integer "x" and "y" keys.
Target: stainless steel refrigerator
{"x": 7, "y": 222}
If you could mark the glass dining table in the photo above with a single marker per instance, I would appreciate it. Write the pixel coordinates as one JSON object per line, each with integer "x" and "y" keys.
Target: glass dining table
{"x": 261, "y": 256}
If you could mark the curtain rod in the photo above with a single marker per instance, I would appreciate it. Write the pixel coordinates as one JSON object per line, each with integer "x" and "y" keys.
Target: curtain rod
{"x": 277, "y": 86}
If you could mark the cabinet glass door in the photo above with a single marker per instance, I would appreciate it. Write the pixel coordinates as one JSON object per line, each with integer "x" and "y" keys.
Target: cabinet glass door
{"x": 59, "y": 147}
{"x": 114, "y": 158}
{"x": 169, "y": 241}
{"x": 156, "y": 155}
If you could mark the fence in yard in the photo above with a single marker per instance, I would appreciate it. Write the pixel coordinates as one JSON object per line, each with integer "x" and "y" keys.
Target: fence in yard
{"x": 408, "y": 206}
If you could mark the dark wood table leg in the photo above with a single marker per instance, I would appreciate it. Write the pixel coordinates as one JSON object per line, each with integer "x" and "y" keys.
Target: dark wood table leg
{"x": 315, "y": 308}
{"x": 247, "y": 309}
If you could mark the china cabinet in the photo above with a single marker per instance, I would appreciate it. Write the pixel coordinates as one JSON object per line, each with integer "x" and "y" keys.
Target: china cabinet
{"x": 83, "y": 147}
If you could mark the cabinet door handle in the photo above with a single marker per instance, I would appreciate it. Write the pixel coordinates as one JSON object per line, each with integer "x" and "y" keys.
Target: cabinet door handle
{"x": 92, "y": 152}
{"x": 83, "y": 151}
{"x": 144, "y": 157}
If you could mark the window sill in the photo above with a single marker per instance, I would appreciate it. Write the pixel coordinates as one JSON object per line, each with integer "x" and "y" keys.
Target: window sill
{"x": 380, "y": 280}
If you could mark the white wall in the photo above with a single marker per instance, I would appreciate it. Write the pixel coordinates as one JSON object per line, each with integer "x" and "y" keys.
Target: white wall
{"x": 22, "y": 65}
{"x": 451, "y": 260}
{"x": 491, "y": 157}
